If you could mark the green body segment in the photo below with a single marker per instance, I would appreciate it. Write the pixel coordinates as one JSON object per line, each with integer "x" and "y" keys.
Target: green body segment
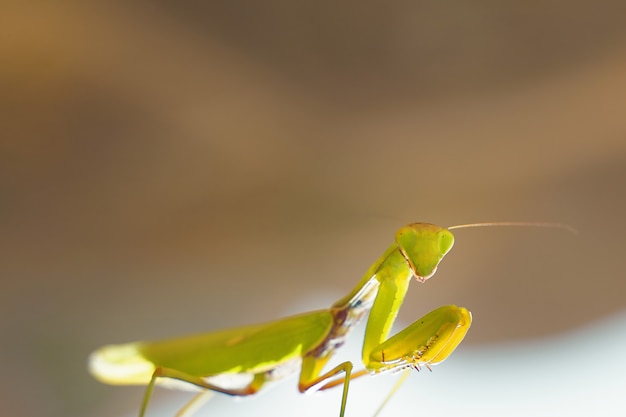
{"x": 249, "y": 349}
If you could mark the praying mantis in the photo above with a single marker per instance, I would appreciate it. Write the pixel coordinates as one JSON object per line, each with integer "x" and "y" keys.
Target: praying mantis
{"x": 268, "y": 352}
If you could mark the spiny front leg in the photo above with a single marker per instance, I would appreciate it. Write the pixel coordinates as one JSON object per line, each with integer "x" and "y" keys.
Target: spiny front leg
{"x": 428, "y": 341}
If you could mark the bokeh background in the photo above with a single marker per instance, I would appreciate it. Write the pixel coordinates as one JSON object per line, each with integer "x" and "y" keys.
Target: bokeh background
{"x": 175, "y": 167}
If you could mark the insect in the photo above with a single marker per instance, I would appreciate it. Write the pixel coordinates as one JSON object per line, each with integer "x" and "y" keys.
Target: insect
{"x": 270, "y": 351}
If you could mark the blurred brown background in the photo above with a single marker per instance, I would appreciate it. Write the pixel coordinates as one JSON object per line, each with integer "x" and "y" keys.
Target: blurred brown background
{"x": 176, "y": 167}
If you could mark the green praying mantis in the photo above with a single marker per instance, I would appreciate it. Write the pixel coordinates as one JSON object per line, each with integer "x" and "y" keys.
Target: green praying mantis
{"x": 271, "y": 351}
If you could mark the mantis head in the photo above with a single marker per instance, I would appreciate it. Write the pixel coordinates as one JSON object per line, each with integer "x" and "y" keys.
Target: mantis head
{"x": 424, "y": 245}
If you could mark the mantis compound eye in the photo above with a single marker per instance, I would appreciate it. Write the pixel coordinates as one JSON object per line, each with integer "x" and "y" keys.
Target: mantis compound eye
{"x": 446, "y": 241}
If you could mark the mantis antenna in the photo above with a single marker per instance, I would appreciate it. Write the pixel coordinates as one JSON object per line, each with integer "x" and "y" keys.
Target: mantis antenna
{"x": 548, "y": 225}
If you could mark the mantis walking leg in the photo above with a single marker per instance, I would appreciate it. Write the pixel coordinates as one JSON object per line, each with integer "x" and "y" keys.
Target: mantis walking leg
{"x": 160, "y": 372}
